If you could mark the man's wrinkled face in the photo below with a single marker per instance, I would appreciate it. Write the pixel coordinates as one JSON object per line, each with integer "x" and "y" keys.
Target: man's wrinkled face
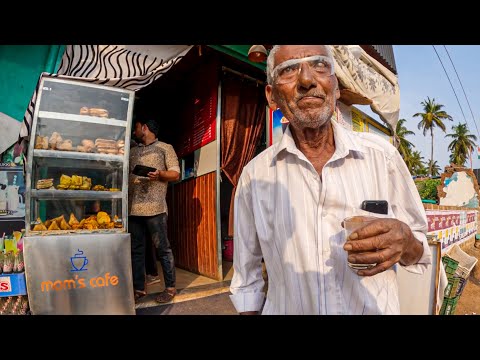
{"x": 309, "y": 96}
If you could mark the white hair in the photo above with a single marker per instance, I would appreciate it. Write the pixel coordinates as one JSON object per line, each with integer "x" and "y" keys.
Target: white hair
{"x": 271, "y": 61}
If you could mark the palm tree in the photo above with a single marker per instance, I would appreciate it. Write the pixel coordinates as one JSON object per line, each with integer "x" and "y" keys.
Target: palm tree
{"x": 435, "y": 168}
{"x": 404, "y": 146}
{"x": 462, "y": 144}
{"x": 431, "y": 117}
{"x": 416, "y": 162}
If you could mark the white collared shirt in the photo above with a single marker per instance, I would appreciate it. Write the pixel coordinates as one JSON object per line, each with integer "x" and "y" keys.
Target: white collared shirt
{"x": 287, "y": 214}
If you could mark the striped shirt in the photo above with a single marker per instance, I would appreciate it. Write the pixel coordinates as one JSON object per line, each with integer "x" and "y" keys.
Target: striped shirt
{"x": 286, "y": 214}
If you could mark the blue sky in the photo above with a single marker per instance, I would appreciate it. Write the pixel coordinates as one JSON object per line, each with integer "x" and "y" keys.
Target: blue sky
{"x": 420, "y": 75}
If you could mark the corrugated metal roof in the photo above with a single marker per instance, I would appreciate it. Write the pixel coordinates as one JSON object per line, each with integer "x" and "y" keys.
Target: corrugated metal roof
{"x": 385, "y": 52}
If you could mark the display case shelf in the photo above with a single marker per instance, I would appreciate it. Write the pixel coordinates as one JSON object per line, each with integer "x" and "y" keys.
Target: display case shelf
{"x": 76, "y": 194}
{"x": 57, "y": 154}
{"x": 81, "y": 118}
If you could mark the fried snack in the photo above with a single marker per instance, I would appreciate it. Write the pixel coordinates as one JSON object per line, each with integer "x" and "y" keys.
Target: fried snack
{"x": 44, "y": 184}
{"x": 86, "y": 183}
{"x": 110, "y": 225}
{"x": 64, "y": 225}
{"x": 40, "y": 226}
{"x": 113, "y": 189}
{"x": 65, "y": 180}
{"x": 65, "y": 145}
{"x": 62, "y": 187}
{"x": 90, "y": 224}
{"x": 107, "y": 151}
{"x": 105, "y": 142}
{"x": 87, "y": 146}
{"x": 77, "y": 180}
{"x": 73, "y": 220}
{"x": 58, "y": 219}
{"x": 88, "y": 143}
{"x": 54, "y": 140}
{"x": 110, "y": 151}
{"x": 48, "y": 223}
{"x": 53, "y": 226}
{"x": 82, "y": 224}
{"x": 98, "y": 188}
{"x": 102, "y": 218}
{"x": 84, "y": 111}
{"x": 98, "y": 112}
{"x": 41, "y": 142}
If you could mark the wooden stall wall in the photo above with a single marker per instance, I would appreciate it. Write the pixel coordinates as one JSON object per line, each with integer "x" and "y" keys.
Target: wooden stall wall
{"x": 192, "y": 227}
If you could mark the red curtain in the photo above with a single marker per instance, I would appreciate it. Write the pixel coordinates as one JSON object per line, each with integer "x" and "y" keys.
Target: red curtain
{"x": 243, "y": 121}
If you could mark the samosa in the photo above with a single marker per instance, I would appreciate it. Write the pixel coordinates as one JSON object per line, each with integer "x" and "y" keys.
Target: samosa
{"x": 53, "y": 226}
{"x": 64, "y": 225}
{"x": 40, "y": 226}
{"x": 73, "y": 220}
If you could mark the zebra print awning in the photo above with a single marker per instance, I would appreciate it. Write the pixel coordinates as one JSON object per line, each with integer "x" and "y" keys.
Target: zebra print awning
{"x": 127, "y": 66}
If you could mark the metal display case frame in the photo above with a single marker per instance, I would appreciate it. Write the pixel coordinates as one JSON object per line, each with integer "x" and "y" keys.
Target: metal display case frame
{"x": 79, "y": 271}
{"x": 31, "y": 192}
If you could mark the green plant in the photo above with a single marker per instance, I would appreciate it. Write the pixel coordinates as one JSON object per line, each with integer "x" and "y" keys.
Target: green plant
{"x": 428, "y": 188}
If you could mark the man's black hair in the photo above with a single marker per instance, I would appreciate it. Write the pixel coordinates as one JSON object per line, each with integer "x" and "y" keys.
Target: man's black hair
{"x": 152, "y": 125}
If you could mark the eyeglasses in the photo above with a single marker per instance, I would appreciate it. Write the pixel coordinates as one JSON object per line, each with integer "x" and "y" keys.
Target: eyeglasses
{"x": 288, "y": 71}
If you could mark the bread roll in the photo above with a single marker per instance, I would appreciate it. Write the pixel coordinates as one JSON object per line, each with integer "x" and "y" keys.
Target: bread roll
{"x": 98, "y": 112}
{"x": 88, "y": 143}
{"x": 107, "y": 150}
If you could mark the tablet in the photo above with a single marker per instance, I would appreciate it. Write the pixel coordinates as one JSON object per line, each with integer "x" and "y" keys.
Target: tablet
{"x": 142, "y": 170}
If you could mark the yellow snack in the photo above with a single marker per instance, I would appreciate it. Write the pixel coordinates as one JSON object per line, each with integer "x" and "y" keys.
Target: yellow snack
{"x": 39, "y": 227}
{"x": 64, "y": 225}
{"x": 65, "y": 180}
{"x": 73, "y": 220}
{"x": 86, "y": 183}
{"x": 58, "y": 219}
{"x": 76, "y": 180}
{"x": 82, "y": 224}
{"x": 103, "y": 218}
{"x": 53, "y": 226}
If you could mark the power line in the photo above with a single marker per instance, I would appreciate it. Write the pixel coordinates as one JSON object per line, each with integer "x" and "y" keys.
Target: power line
{"x": 471, "y": 112}
{"x": 450, "y": 83}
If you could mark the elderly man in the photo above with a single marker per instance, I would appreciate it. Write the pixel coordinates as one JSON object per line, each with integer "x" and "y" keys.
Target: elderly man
{"x": 292, "y": 198}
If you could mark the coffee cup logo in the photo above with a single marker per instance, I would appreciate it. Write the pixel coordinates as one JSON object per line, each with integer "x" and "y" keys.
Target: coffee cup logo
{"x": 79, "y": 261}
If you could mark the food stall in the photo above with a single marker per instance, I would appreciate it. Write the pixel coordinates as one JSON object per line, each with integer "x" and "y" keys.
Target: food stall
{"x": 76, "y": 248}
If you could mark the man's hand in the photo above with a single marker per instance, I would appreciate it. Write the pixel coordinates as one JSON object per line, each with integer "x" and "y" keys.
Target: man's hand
{"x": 154, "y": 175}
{"x": 167, "y": 175}
{"x": 383, "y": 242}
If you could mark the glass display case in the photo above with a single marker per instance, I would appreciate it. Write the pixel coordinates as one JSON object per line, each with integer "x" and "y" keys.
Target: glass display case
{"x": 77, "y": 169}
